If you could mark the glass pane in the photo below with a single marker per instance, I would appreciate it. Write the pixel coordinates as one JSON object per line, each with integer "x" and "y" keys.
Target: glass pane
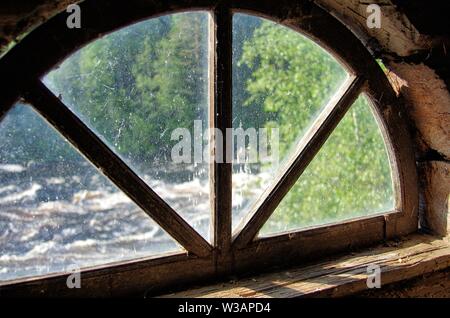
{"x": 134, "y": 88}
{"x": 349, "y": 177}
{"x": 281, "y": 81}
{"x": 58, "y": 211}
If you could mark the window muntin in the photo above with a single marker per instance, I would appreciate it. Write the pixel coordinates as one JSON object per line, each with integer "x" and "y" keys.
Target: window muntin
{"x": 134, "y": 88}
{"x": 57, "y": 211}
{"x": 282, "y": 80}
{"x": 350, "y": 177}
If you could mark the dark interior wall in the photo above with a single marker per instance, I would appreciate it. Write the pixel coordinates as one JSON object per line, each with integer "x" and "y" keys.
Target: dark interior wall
{"x": 19, "y": 17}
{"x": 429, "y": 17}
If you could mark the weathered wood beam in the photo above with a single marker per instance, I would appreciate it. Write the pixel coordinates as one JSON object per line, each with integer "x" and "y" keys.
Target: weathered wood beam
{"x": 222, "y": 30}
{"x": 339, "y": 277}
{"x": 71, "y": 127}
{"x": 308, "y": 146}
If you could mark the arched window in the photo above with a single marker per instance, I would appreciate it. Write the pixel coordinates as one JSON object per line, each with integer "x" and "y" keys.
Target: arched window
{"x": 172, "y": 143}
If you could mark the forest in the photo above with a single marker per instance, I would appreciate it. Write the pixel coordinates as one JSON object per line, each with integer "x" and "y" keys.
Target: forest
{"x": 135, "y": 86}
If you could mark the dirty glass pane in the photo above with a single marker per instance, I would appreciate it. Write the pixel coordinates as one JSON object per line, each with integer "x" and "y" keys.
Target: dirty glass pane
{"x": 350, "y": 177}
{"x": 281, "y": 81}
{"x": 143, "y": 89}
{"x": 57, "y": 212}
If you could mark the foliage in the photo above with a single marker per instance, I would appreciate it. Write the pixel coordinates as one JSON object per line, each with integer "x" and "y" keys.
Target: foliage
{"x": 349, "y": 177}
{"x": 135, "y": 86}
{"x": 293, "y": 79}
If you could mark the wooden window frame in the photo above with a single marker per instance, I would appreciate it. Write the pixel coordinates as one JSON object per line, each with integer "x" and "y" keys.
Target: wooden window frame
{"x": 236, "y": 254}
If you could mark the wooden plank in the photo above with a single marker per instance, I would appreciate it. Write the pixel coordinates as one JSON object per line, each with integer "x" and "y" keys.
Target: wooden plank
{"x": 308, "y": 146}
{"x": 223, "y": 121}
{"x": 307, "y": 245}
{"x": 137, "y": 278}
{"x": 69, "y": 125}
{"x": 431, "y": 285}
{"x": 346, "y": 275}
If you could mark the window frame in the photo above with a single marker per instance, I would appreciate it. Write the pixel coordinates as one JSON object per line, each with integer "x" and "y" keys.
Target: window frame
{"x": 52, "y": 42}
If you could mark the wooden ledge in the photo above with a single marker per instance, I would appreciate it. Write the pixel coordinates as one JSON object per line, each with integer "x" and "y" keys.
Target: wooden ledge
{"x": 414, "y": 256}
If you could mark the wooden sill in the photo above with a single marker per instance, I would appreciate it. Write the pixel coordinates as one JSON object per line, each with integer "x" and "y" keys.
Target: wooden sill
{"x": 409, "y": 258}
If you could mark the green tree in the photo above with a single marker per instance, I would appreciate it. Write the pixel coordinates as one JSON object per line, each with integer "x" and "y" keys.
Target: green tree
{"x": 134, "y": 86}
{"x": 177, "y": 90}
{"x": 292, "y": 78}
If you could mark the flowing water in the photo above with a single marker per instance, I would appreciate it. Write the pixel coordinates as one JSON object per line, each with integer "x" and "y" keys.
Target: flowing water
{"x": 55, "y": 216}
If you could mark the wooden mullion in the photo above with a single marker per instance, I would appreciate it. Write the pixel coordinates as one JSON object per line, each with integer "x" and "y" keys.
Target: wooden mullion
{"x": 308, "y": 147}
{"x": 88, "y": 143}
{"x": 222, "y": 24}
